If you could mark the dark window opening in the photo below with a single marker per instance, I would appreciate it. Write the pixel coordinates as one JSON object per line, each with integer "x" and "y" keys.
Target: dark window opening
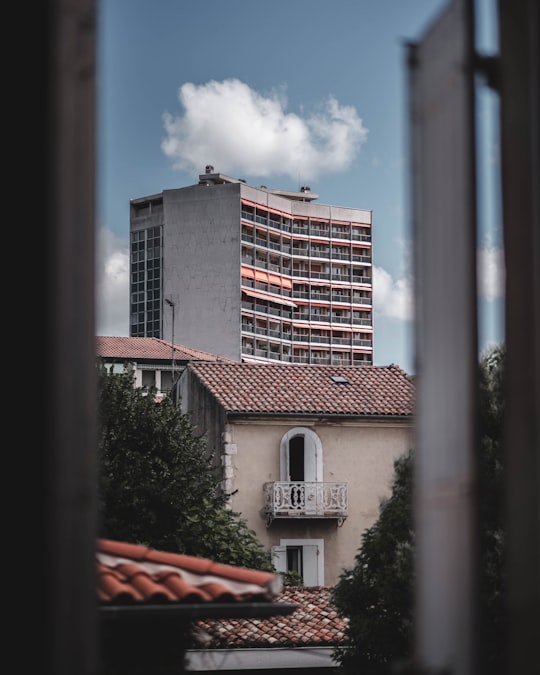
{"x": 294, "y": 559}
{"x": 296, "y": 458}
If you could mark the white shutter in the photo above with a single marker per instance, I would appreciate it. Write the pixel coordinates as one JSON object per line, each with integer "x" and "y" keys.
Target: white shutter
{"x": 279, "y": 558}
{"x": 310, "y": 459}
{"x": 311, "y": 565}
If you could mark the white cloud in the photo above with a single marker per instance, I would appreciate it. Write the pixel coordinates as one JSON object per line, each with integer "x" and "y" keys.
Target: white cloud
{"x": 491, "y": 272}
{"x": 392, "y": 297}
{"x": 239, "y": 131}
{"x": 395, "y": 297}
{"x": 112, "y": 284}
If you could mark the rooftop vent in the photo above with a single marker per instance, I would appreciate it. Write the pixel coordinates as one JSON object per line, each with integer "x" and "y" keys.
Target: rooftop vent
{"x": 209, "y": 168}
{"x": 305, "y": 188}
{"x": 339, "y": 379}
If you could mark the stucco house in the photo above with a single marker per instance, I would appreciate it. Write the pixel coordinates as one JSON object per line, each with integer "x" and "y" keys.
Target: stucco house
{"x": 154, "y": 362}
{"x": 307, "y": 451}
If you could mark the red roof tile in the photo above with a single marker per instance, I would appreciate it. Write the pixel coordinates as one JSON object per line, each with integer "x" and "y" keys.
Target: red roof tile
{"x": 307, "y": 389}
{"x": 130, "y": 574}
{"x": 148, "y": 348}
{"x": 314, "y": 623}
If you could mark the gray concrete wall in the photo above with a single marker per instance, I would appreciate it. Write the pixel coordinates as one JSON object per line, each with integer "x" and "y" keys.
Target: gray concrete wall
{"x": 205, "y": 413}
{"x": 201, "y": 267}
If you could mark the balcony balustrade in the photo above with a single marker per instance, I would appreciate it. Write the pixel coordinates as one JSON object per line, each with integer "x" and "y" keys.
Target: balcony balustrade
{"x": 340, "y": 255}
{"x": 358, "y": 342}
{"x": 301, "y": 499}
{"x": 360, "y": 237}
{"x": 359, "y": 279}
{"x": 341, "y": 341}
{"x": 317, "y": 232}
{"x": 359, "y": 300}
{"x": 321, "y": 360}
{"x": 320, "y": 339}
{"x": 321, "y": 253}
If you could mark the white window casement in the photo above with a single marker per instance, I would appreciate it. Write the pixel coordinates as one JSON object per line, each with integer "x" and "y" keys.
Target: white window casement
{"x": 305, "y": 556}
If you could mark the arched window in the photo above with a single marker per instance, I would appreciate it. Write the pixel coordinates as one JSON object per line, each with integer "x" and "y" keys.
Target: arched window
{"x": 301, "y": 456}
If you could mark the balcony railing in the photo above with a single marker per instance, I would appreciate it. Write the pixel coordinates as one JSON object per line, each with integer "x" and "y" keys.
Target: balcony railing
{"x": 301, "y": 499}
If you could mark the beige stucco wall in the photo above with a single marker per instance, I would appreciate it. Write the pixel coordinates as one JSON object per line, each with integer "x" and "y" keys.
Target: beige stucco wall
{"x": 360, "y": 454}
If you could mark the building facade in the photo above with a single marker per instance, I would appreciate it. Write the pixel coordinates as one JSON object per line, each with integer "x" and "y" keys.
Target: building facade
{"x": 154, "y": 363}
{"x": 252, "y": 274}
{"x": 306, "y": 452}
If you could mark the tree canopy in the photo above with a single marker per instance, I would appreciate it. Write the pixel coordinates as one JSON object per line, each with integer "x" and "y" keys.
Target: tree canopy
{"x": 377, "y": 594}
{"x": 158, "y": 486}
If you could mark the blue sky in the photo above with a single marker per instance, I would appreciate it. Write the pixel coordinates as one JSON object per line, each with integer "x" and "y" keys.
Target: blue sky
{"x": 283, "y": 94}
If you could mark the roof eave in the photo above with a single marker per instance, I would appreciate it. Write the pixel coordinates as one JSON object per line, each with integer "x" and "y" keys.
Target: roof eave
{"x": 319, "y": 416}
{"x": 195, "y": 611}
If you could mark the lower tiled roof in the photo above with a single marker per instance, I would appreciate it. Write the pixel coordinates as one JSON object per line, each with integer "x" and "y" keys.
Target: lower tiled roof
{"x": 314, "y": 623}
{"x": 129, "y": 574}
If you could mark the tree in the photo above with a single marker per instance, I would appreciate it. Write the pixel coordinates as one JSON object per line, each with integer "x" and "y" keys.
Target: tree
{"x": 492, "y": 415}
{"x": 377, "y": 594}
{"x": 158, "y": 486}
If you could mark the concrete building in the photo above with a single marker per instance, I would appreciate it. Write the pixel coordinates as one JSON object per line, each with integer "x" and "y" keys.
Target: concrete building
{"x": 252, "y": 274}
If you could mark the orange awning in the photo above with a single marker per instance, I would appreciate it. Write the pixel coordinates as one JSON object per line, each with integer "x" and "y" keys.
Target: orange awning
{"x": 247, "y": 272}
{"x": 318, "y": 282}
{"x": 278, "y": 213}
{"x": 267, "y": 296}
{"x": 261, "y": 276}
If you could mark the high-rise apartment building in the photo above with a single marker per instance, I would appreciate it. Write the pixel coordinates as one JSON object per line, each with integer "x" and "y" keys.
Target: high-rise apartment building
{"x": 252, "y": 273}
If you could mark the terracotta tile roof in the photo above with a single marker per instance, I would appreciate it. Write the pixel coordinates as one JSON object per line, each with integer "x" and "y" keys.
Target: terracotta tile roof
{"x": 149, "y": 348}
{"x": 129, "y": 574}
{"x": 307, "y": 389}
{"x": 314, "y": 623}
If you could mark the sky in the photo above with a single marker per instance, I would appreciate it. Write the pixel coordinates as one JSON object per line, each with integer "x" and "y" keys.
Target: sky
{"x": 285, "y": 94}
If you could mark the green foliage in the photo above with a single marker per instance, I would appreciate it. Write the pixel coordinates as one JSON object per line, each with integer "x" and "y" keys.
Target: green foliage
{"x": 291, "y": 578}
{"x": 492, "y": 414}
{"x": 377, "y": 595}
{"x": 158, "y": 486}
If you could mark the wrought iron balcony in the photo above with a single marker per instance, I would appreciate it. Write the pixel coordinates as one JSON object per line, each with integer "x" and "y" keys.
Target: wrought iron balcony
{"x": 301, "y": 499}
